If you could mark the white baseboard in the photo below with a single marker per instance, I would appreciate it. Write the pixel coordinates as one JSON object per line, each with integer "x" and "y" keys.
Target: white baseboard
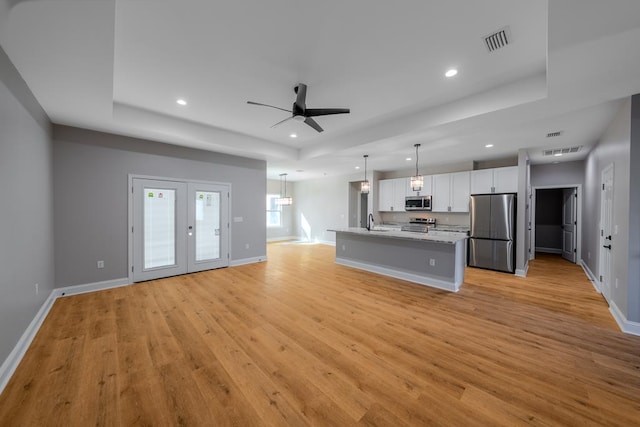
{"x": 244, "y": 261}
{"x": 409, "y": 277}
{"x": 626, "y": 326}
{"x": 13, "y": 360}
{"x": 90, "y": 287}
{"x": 281, "y": 239}
{"x": 522, "y": 272}
{"x": 592, "y": 277}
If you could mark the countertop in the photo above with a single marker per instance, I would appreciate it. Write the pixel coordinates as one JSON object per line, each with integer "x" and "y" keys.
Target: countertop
{"x": 438, "y": 227}
{"x": 407, "y": 235}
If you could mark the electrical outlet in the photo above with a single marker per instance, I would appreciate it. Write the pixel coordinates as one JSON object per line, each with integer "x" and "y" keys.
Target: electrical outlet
{"x": 100, "y": 264}
{"x": 246, "y": 246}
{"x": 37, "y": 290}
{"x": 344, "y": 248}
{"x": 432, "y": 262}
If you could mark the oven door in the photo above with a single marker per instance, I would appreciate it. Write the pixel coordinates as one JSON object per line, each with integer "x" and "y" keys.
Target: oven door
{"x": 426, "y": 203}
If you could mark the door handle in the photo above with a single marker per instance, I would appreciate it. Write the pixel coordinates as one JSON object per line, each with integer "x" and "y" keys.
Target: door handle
{"x": 607, "y": 246}
{"x": 608, "y": 238}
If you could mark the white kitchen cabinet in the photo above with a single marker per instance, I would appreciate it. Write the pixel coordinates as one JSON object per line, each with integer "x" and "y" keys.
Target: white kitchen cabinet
{"x": 451, "y": 192}
{"x": 426, "y": 187}
{"x": 505, "y": 180}
{"x": 399, "y": 193}
{"x": 496, "y": 180}
{"x": 391, "y": 194}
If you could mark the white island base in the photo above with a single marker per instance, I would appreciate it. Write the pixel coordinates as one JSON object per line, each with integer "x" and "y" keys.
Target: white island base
{"x": 435, "y": 261}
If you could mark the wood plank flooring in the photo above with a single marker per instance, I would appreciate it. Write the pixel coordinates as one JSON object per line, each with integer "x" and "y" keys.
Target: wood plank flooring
{"x": 299, "y": 340}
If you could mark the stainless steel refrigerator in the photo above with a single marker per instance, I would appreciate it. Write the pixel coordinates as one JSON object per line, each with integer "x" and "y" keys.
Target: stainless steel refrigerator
{"x": 492, "y": 239}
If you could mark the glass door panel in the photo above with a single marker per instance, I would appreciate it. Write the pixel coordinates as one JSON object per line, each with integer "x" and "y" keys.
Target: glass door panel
{"x": 207, "y": 225}
{"x": 159, "y": 227}
{"x": 208, "y": 217}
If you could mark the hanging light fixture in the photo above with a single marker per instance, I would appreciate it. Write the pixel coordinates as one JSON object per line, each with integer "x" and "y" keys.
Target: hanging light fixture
{"x": 283, "y": 200}
{"x": 416, "y": 181}
{"x": 364, "y": 185}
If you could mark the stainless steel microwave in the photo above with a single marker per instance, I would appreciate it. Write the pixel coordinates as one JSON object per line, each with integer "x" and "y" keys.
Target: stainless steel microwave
{"x": 417, "y": 203}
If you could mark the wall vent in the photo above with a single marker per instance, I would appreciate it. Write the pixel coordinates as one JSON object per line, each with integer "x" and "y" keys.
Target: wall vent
{"x": 558, "y": 151}
{"x": 498, "y": 40}
{"x": 554, "y": 134}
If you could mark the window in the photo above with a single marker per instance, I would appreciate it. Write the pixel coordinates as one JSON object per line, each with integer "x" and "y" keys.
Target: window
{"x": 274, "y": 211}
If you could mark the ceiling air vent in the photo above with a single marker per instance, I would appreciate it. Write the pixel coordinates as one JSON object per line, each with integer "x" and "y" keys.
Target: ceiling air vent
{"x": 559, "y": 151}
{"x": 498, "y": 40}
{"x": 554, "y": 134}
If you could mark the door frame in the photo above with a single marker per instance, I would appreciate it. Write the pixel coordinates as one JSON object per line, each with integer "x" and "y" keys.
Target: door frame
{"x": 130, "y": 219}
{"x": 532, "y": 240}
{"x": 605, "y": 290}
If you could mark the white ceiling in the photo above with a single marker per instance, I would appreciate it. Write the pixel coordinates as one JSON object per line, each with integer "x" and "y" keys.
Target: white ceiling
{"x": 119, "y": 66}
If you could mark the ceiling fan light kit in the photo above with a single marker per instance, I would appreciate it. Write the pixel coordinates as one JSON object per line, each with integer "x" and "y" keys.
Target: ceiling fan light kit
{"x": 417, "y": 181}
{"x": 300, "y": 112}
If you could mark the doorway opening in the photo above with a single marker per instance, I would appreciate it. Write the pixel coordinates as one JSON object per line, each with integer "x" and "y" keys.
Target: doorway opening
{"x": 358, "y": 205}
{"x": 556, "y": 217}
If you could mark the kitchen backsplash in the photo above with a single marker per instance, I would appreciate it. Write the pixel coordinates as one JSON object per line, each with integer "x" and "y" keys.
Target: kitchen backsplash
{"x": 442, "y": 218}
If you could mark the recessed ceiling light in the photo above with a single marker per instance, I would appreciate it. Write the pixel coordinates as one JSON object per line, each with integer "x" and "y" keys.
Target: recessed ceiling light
{"x": 181, "y": 102}
{"x": 408, "y": 159}
{"x": 557, "y": 155}
{"x": 488, "y": 146}
{"x": 293, "y": 135}
{"x": 357, "y": 167}
{"x": 450, "y": 73}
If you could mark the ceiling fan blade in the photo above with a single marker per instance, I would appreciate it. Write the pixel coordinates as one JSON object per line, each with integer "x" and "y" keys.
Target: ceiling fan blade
{"x": 282, "y": 121}
{"x": 267, "y": 105}
{"x": 313, "y": 124}
{"x": 301, "y": 91}
{"x": 314, "y": 112}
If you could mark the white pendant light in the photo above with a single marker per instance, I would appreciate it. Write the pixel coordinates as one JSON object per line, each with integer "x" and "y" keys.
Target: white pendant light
{"x": 283, "y": 200}
{"x": 416, "y": 181}
{"x": 364, "y": 185}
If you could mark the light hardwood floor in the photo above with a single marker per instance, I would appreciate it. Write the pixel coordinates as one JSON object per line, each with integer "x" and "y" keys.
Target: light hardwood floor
{"x": 299, "y": 340}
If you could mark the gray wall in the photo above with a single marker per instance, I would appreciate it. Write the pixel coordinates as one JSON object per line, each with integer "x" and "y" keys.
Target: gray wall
{"x": 323, "y": 203}
{"x": 91, "y": 204}
{"x": 613, "y": 148}
{"x": 287, "y": 230}
{"x": 569, "y": 174}
{"x": 26, "y": 210}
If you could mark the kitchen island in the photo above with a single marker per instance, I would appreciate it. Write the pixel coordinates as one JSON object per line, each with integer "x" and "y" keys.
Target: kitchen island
{"x": 431, "y": 259}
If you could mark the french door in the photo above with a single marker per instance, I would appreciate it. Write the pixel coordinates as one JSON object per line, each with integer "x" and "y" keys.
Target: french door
{"x": 178, "y": 227}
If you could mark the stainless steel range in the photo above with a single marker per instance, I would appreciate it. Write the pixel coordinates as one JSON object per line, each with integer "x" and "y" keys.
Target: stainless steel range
{"x": 419, "y": 225}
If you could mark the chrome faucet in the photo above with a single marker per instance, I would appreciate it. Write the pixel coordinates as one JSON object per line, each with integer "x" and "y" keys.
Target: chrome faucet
{"x": 370, "y": 222}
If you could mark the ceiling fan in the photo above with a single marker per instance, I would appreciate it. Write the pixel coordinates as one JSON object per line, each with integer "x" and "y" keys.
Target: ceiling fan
{"x": 300, "y": 112}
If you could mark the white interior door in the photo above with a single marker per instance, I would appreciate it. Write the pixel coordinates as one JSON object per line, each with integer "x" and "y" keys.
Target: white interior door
{"x": 606, "y": 222}
{"x": 208, "y": 217}
{"x": 569, "y": 223}
{"x": 178, "y": 227}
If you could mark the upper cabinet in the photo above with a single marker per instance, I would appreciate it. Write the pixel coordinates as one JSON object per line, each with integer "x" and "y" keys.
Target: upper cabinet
{"x": 391, "y": 194}
{"x": 451, "y": 192}
{"x": 497, "y": 180}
